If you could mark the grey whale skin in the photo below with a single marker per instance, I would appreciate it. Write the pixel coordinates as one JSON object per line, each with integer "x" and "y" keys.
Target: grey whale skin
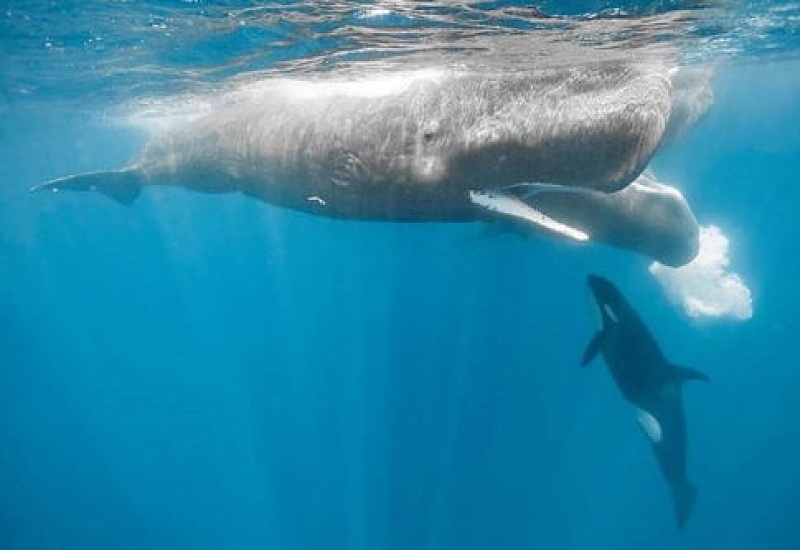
{"x": 421, "y": 145}
{"x": 647, "y": 217}
{"x": 650, "y": 382}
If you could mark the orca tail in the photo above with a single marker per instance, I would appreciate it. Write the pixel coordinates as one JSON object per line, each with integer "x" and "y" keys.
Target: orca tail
{"x": 683, "y": 499}
{"x": 121, "y": 185}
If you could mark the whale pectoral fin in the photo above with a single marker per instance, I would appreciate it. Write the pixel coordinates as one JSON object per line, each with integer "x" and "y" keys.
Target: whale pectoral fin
{"x": 683, "y": 374}
{"x": 591, "y": 351}
{"x": 121, "y": 185}
{"x": 511, "y": 207}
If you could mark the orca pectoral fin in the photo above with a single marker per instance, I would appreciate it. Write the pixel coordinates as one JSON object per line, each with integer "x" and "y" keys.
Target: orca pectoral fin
{"x": 511, "y": 207}
{"x": 684, "y": 374}
{"x": 121, "y": 185}
{"x": 593, "y": 348}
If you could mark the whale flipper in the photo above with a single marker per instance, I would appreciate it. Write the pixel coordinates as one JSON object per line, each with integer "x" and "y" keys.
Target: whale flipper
{"x": 121, "y": 185}
{"x": 508, "y": 206}
{"x": 593, "y": 348}
{"x": 683, "y": 499}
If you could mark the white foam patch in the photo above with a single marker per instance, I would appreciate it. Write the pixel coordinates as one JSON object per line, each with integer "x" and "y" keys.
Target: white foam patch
{"x": 706, "y": 287}
{"x": 373, "y": 13}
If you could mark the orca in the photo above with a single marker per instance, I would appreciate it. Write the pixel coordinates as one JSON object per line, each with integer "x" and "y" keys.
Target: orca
{"x": 649, "y": 381}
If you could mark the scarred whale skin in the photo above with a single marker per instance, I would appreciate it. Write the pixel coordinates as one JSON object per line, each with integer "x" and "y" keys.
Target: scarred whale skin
{"x": 439, "y": 145}
{"x": 408, "y": 145}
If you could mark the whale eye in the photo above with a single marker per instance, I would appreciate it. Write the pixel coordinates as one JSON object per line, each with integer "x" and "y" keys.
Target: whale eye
{"x": 430, "y": 130}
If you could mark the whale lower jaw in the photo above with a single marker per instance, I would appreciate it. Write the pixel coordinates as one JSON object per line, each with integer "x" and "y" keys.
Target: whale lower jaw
{"x": 508, "y": 206}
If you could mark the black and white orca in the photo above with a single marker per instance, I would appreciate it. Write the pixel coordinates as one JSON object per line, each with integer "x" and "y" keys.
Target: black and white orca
{"x": 650, "y": 382}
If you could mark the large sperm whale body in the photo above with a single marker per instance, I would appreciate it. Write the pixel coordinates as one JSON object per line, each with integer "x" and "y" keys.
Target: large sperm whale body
{"x": 423, "y": 145}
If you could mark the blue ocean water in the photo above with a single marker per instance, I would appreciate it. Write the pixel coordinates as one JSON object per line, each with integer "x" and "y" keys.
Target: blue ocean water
{"x": 207, "y": 371}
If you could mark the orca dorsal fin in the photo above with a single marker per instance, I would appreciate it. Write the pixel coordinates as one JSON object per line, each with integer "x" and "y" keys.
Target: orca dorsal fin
{"x": 593, "y": 348}
{"x": 684, "y": 374}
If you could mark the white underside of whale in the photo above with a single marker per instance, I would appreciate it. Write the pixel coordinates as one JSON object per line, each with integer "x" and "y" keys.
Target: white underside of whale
{"x": 649, "y": 425}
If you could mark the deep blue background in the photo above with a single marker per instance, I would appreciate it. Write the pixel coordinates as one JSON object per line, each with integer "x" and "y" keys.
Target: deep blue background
{"x": 211, "y": 372}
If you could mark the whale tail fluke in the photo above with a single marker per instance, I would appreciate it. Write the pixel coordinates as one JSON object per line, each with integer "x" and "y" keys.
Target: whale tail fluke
{"x": 121, "y": 185}
{"x": 683, "y": 499}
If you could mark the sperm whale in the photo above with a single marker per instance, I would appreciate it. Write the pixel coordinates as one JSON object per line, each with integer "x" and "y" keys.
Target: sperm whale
{"x": 434, "y": 144}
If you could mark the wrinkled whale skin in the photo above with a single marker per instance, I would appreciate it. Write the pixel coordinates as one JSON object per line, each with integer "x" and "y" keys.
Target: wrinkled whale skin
{"x": 557, "y": 150}
{"x": 407, "y": 147}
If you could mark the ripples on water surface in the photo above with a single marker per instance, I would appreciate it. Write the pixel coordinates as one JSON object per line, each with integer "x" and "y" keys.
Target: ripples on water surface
{"x": 124, "y": 50}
